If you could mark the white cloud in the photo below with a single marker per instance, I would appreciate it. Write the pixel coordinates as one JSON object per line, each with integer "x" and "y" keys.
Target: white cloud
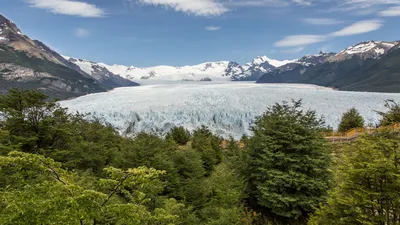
{"x": 293, "y": 50}
{"x": 195, "y": 7}
{"x": 212, "y": 28}
{"x": 361, "y": 7}
{"x": 67, "y": 7}
{"x": 360, "y": 27}
{"x": 322, "y": 21}
{"x": 392, "y": 11}
{"x": 81, "y": 32}
{"x": 300, "y": 40}
{"x": 303, "y": 2}
{"x": 256, "y": 3}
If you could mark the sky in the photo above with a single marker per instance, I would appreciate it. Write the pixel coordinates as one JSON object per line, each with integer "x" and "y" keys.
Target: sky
{"x": 146, "y": 33}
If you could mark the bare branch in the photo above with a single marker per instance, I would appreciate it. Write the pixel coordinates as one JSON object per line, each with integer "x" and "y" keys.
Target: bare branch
{"x": 115, "y": 189}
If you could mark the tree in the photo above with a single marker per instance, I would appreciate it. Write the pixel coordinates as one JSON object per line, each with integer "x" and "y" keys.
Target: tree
{"x": 35, "y": 190}
{"x": 351, "y": 119}
{"x": 26, "y": 114}
{"x": 368, "y": 184}
{"x": 225, "y": 191}
{"x": 208, "y": 145}
{"x": 289, "y": 164}
{"x": 392, "y": 115}
{"x": 180, "y": 135}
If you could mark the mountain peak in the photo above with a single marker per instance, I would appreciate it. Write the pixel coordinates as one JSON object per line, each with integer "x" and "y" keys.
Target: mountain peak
{"x": 273, "y": 62}
{"x": 4, "y": 20}
{"x": 364, "y": 50}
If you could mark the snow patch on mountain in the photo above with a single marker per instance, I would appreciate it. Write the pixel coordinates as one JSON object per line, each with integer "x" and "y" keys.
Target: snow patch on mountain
{"x": 365, "y": 50}
{"x": 360, "y": 48}
{"x": 276, "y": 63}
{"x": 213, "y": 70}
{"x": 86, "y": 66}
{"x": 216, "y": 71}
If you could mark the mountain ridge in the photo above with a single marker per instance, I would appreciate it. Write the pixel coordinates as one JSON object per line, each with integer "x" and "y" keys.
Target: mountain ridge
{"x": 28, "y": 63}
{"x": 356, "y": 68}
{"x": 219, "y": 70}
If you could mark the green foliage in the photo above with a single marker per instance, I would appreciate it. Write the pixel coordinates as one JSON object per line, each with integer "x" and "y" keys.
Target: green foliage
{"x": 392, "y": 115}
{"x": 57, "y": 168}
{"x": 225, "y": 191}
{"x": 208, "y": 145}
{"x": 28, "y": 116}
{"x": 190, "y": 168}
{"x": 180, "y": 135}
{"x": 289, "y": 164}
{"x": 368, "y": 184}
{"x": 6, "y": 145}
{"x": 351, "y": 119}
{"x": 35, "y": 190}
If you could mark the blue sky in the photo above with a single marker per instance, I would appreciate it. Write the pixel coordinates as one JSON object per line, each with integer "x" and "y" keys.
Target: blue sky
{"x": 186, "y": 32}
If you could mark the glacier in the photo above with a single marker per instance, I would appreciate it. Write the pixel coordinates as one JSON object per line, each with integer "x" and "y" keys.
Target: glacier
{"x": 227, "y": 108}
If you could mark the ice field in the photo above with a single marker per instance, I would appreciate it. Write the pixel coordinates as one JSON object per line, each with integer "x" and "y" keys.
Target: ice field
{"x": 227, "y": 108}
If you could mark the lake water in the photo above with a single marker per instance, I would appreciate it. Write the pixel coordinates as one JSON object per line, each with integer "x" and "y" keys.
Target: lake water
{"x": 227, "y": 108}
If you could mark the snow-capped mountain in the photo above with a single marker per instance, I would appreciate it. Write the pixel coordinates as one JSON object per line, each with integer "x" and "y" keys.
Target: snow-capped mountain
{"x": 100, "y": 73}
{"x": 259, "y": 60}
{"x": 293, "y": 71}
{"x": 306, "y": 61}
{"x": 366, "y": 66}
{"x": 221, "y": 70}
{"x": 11, "y": 35}
{"x": 364, "y": 50}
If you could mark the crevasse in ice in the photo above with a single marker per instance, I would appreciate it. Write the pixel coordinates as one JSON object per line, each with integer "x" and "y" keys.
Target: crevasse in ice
{"x": 227, "y": 108}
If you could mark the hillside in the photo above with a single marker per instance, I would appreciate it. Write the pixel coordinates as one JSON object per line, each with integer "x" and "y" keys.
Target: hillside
{"x": 382, "y": 76}
{"x": 367, "y": 66}
{"x": 100, "y": 73}
{"x": 18, "y": 69}
{"x": 27, "y": 63}
{"x": 293, "y": 71}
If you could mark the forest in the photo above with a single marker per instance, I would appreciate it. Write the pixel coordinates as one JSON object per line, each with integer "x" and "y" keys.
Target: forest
{"x": 59, "y": 168}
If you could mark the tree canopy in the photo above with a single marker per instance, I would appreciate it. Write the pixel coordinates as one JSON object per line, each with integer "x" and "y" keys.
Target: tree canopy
{"x": 289, "y": 164}
{"x": 351, "y": 119}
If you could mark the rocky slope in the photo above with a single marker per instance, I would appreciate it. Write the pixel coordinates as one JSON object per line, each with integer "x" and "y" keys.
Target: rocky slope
{"x": 293, "y": 71}
{"x": 367, "y": 66}
{"x": 27, "y": 63}
{"x": 382, "y": 76}
{"x": 100, "y": 73}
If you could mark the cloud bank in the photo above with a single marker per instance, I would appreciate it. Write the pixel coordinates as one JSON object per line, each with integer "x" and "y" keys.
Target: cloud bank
{"x": 66, "y": 7}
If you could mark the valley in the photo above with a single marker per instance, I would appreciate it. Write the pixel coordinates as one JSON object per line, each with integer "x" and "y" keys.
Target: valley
{"x": 200, "y": 112}
{"x": 26, "y": 63}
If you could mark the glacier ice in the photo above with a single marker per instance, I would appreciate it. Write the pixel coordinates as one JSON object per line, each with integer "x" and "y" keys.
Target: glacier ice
{"x": 227, "y": 108}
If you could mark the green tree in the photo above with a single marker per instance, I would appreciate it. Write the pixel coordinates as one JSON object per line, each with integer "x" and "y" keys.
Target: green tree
{"x": 151, "y": 151}
{"x": 289, "y": 164}
{"x": 225, "y": 191}
{"x": 26, "y": 115}
{"x": 180, "y": 135}
{"x": 392, "y": 115}
{"x": 191, "y": 173}
{"x": 368, "y": 184}
{"x": 209, "y": 147}
{"x": 351, "y": 119}
{"x": 35, "y": 190}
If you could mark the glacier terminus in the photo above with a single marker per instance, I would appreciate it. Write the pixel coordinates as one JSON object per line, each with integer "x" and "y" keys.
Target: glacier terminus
{"x": 227, "y": 108}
